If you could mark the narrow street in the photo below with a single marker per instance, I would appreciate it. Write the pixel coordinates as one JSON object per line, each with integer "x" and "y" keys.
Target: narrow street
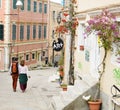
{"x": 36, "y": 97}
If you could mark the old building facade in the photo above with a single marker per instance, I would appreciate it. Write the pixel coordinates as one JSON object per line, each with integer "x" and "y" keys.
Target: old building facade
{"x": 55, "y": 9}
{"x": 24, "y": 31}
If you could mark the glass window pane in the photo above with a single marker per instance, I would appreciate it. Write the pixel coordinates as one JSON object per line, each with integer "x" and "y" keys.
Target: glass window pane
{"x": 28, "y": 5}
{"x": 39, "y": 32}
{"x": 21, "y": 32}
{"x": 34, "y": 31}
{"x": 40, "y": 7}
{"x": 45, "y": 8}
{"x": 1, "y": 32}
{"x": 35, "y": 6}
{"x": 28, "y": 32}
{"x": 13, "y": 32}
{"x": 14, "y": 4}
{"x": 22, "y": 8}
{"x": 45, "y": 31}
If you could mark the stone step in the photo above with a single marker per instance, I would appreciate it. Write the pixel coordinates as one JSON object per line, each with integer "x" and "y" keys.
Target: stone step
{"x": 79, "y": 88}
{"x": 56, "y": 103}
{"x": 66, "y": 98}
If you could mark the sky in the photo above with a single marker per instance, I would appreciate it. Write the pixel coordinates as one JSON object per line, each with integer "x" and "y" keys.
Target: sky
{"x": 58, "y": 1}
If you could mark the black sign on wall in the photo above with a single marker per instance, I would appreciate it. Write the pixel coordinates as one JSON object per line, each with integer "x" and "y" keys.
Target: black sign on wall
{"x": 57, "y": 46}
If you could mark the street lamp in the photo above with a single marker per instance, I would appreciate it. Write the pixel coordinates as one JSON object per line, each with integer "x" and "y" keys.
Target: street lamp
{"x": 18, "y": 5}
{"x": 59, "y": 18}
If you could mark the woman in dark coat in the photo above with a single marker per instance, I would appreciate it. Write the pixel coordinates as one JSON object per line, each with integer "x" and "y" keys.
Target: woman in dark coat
{"x": 23, "y": 70}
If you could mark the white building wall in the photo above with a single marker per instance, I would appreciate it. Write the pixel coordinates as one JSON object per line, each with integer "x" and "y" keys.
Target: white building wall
{"x": 96, "y": 54}
{"x": 88, "y": 4}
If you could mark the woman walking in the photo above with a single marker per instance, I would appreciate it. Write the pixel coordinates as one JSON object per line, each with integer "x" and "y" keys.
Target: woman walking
{"x": 23, "y": 70}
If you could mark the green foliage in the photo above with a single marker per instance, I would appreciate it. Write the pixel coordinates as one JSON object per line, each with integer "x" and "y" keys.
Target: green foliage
{"x": 61, "y": 60}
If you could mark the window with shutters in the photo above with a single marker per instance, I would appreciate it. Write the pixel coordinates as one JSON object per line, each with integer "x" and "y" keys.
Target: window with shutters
{"x": 21, "y": 32}
{"x": 1, "y": 32}
{"x": 40, "y": 7}
{"x": 13, "y": 32}
{"x": 14, "y": 4}
{"x": 39, "y": 32}
{"x": 22, "y": 8}
{"x": 0, "y": 3}
{"x": 35, "y": 6}
{"x": 34, "y": 31}
{"x": 45, "y": 32}
{"x": 45, "y": 8}
{"x": 28, "y": 5}
{"x": 28, "y": 32}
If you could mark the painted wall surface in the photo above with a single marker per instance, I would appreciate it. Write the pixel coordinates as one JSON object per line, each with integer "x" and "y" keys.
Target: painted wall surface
{"x": 55, "y": 8}
{"x": 9, "y": 16}
{"x": 88, "y": 4}
{"x": 82, "y": 66}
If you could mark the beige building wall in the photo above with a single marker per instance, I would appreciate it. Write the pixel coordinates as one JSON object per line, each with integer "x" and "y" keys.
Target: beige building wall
{"x": 55, "y": 8}
{"x": 81, "y": 65}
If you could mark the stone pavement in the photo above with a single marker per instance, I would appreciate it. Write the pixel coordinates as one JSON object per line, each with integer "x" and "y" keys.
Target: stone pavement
{"x": 37, "y": 96}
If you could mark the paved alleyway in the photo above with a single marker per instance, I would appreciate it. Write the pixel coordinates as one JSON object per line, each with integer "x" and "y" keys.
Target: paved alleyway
{"x": 37, "y": 95}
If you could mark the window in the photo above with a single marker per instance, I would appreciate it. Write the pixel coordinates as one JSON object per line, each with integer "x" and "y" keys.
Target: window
{"x": 39, "y": 32}
{"x": 0, "y": 3}
{"x": 45, "y": 31}
{"x": 13, "y": 32}
{"x": 35, "y": 6}
{"x": 27, "y": 57}
{"x": 34, "y": 31}
{"x": 28, "y": 32}
{"x": 40, "y": 7}
{"x": 53, "y": 15}
{"x": 33, "y": 55}
{"x": 43, "y": 53}
{"x": 53, "y": 32}
{"x": 0, "y": 55}
{"x": 21, "y": 32}
{"x": 45, "y": 8}
{"x": 14, "y": 4}
{"x": 22, "y": 8}
{"x": 28, "y": 5}
{"x": 1, "y": 32}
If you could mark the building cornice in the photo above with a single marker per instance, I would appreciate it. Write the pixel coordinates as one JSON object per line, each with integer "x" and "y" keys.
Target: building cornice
{"x": 113, "y": 8}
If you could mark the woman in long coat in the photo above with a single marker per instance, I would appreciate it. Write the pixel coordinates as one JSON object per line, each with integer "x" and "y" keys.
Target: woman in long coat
{"x": 23, "y": 70}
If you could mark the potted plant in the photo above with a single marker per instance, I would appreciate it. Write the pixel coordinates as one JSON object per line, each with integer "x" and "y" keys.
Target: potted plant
{"x": 64, "y": 86}
{"x": 107, "y": 32}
